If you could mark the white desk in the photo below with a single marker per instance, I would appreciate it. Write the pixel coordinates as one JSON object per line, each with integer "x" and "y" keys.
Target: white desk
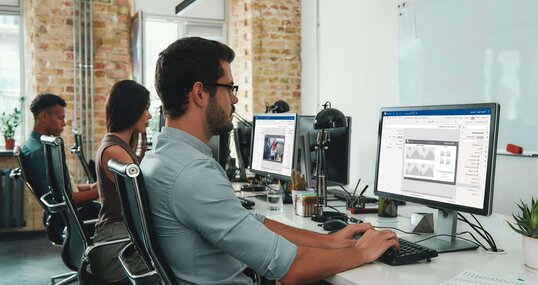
{"x": 440, "y": 269}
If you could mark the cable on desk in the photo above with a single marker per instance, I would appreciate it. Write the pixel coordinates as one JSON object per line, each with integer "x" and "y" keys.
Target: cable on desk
{"x": 446, "y": 235}
{"x": 478, "y": 228}
{"x": 494, "y": 246}
{"x": 468, "y": 232}
{"x": 393, "y": 228}
{"x": 335, "y": 209}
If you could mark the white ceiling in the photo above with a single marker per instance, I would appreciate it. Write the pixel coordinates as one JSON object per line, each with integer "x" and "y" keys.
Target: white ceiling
{"x": 206, "y": 9}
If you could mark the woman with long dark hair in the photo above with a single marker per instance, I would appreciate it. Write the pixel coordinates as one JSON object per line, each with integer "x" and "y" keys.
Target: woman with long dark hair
{"x": 127, "y": 117}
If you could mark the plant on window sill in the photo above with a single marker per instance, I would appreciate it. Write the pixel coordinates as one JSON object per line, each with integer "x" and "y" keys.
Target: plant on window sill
{"x": 8, "y": 123}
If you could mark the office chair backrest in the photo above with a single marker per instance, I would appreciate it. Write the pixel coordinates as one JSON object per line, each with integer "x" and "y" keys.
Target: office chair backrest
{"x": 76, "y": 238}
{"x": 78, "y": 150}
{"x": 54, "y": 223}
{"x": 20, "y": 173}
{"x": 136, "y": 215}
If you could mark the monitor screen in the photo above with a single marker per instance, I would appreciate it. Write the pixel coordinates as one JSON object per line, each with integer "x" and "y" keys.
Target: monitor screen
{"x": 441, "y": 156}
{"x": 273, "y": 145}
{"x": 336, "y": 156}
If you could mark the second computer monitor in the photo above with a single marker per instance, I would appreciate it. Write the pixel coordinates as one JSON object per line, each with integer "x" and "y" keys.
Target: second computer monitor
{"x": 273, "y": 145}
{"x": 336, "y": 156}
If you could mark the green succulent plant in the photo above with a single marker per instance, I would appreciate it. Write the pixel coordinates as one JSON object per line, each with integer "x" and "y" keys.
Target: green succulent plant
{"x": 526, "y": 221}
{"x": 10, "y": 121}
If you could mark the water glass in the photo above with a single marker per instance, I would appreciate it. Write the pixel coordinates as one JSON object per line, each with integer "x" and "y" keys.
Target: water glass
{"x": 274, "y": 201}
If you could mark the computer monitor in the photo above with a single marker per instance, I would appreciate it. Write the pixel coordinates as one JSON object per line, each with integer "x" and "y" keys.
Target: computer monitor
{"x": 273, "y": 145}
{"x": 220, "y": 148}
{"x": 336, "y": 157}
{"x": 242, "y": 140}
{"x": 439, "y": 156}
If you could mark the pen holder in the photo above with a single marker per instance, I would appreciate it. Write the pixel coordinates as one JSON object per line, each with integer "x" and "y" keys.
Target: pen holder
{"x": 387, "y": 208}
{"x": 355, "y": 202}
{"x": 304, "y": 202}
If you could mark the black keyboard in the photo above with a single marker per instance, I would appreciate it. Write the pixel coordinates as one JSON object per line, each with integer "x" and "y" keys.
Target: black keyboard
{"x": 247, "y": 204}
{"x": 409, "y": 253}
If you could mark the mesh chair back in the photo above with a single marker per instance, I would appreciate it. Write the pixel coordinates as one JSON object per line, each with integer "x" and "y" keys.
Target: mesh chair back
{"x": 136, "y": 215}
{"x": 76, "y": 239}
{"x": 20, "y": 173}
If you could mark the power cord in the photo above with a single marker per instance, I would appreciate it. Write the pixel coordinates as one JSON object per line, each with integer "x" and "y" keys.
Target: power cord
{"x": 393, "y": 228}
{"x": 446, "y": 235}
{"x": 479, "y": 229}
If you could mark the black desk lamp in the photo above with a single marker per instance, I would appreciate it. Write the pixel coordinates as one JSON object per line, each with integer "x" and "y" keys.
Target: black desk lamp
{"x": 326, "y": 119}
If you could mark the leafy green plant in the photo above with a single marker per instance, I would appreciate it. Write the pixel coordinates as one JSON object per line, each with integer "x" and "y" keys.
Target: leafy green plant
{"x": 10, "y": 121}
{"x": 526, "y": 221}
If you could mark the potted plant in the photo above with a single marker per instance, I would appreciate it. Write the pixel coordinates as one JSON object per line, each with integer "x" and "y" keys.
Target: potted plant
{"x": 8, "y": 123}
{"x": 526, "y": 224}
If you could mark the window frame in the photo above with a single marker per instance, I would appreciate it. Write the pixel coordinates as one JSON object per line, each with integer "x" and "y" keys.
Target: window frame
{"x": 10, "y": 10}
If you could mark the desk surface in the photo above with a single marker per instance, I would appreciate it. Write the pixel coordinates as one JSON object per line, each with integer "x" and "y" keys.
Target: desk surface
{"x": 440, "y": 269}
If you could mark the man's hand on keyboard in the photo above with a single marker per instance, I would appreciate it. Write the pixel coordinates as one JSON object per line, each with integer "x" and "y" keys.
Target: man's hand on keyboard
{"x": 374, "y": 243}
{"x": 347, "y": 234}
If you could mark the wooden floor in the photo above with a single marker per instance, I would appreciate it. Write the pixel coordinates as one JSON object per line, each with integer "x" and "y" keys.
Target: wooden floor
{"x": 29, "y": 260}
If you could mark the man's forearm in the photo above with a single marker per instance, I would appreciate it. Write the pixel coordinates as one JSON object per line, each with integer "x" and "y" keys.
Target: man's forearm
{"x": 314, "y": 264}
{"x": 307, "y": 238}
{"x": 86, "y": 187}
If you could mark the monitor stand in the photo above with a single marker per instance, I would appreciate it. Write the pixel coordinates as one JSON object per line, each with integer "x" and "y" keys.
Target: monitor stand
{"x": 446, "y": 225}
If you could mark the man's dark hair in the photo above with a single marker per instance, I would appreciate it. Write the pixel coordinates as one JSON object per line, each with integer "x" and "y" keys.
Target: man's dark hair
{"x": 44, "y": 101}
{"x": 125, "y": 104}
{"x": 185, "y": 62}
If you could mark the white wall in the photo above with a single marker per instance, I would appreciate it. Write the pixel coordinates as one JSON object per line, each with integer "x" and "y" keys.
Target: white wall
{"x": 357, "y": 43}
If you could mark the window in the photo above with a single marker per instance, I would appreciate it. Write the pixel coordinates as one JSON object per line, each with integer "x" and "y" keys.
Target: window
{"x": 10, "y": 66}
{"x": 153, "y": 33}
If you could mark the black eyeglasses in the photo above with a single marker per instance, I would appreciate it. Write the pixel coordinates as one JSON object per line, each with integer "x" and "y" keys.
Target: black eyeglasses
{"x": 233, "y": 88}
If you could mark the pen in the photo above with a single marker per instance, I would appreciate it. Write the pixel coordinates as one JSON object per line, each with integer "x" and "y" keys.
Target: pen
{"x": 356, "y": 186}
{"x": 363, "y": 190}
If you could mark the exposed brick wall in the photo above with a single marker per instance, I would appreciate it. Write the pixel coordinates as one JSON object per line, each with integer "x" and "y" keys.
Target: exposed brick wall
{"x": 50, "y": 53}
{"x": 49, "y": 56}
{"x": 266, "y": 36}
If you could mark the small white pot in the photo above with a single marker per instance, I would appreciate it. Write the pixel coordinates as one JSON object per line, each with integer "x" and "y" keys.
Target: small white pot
{"x": 530, "y": 252}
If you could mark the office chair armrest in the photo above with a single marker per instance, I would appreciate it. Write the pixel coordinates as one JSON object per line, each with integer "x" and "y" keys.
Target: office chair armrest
{"x": 150, "y": 277}
{"x": 15, "y": 173}
{"x": 90, "y": 222}
{"x": 52, "y": 207}
{"x": 104, "y": 243}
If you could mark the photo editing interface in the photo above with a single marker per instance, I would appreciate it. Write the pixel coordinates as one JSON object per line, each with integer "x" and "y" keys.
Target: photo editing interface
{"x": 437, "y": 155}
{"x": 273, "y": 145}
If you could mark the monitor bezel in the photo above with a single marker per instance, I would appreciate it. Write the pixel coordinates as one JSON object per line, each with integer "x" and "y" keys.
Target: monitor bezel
{"x": 267, "y": 174}
{"x": 487, "y": 205}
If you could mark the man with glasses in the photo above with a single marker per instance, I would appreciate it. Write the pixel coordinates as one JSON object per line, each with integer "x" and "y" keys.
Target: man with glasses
{"x": 206, "y": 236}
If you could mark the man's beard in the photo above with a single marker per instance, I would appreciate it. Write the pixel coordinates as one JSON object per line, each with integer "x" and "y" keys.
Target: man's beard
{"x": 219, "y": 122}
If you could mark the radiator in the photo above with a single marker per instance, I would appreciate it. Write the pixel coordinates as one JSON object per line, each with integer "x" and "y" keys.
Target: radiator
{"x": 11, "y": 201}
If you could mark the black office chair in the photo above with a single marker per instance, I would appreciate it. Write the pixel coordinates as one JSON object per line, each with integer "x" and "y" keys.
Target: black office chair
{"x": 134, "y": 204}
{"x": 53, "y": 221}
{"x": 78, "y": 245}
{"x": 78, "y": 150}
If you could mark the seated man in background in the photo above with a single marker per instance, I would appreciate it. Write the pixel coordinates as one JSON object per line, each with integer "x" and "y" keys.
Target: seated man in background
{"x": 49, "y": 119}
{"x": 205, "y": 234}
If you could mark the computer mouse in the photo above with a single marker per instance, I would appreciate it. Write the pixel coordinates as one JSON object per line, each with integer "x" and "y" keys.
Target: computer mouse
{"x": 334, "y": 225}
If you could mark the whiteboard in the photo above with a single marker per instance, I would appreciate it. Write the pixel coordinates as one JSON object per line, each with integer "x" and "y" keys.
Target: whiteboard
{"x": 462, "y": 51}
